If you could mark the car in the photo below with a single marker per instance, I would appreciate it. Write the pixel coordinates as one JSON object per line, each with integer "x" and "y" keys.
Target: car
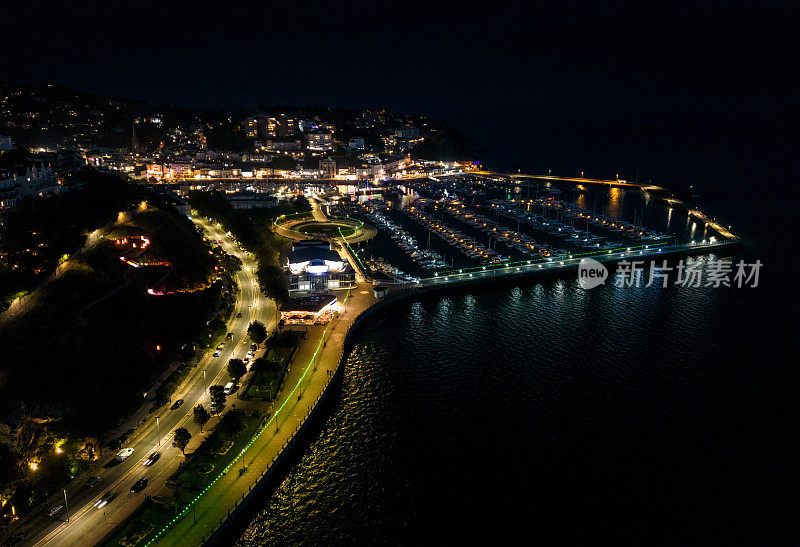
{"x": 92, "y": 481}
{"x": 221, "y": 346}
{"x": 123, "y": 454}
{"x": 176, "y": 405}
{"x": 105, "y": 499}
{"x": 139, "y": 485}
{"x": 229, "y": 336}
{"x": 253, "y": 346}
{"x": 56, "y": 509}
{"x": 151, "y": 459}
{"x": 216, "y": 353}
{"x": 239, "y": 314}
{"x": 229, "y": 388}
{"x": 213, "y": 408}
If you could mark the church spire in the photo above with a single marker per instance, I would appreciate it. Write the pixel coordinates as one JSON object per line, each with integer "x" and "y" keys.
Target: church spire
{"x": 134, "y": 139}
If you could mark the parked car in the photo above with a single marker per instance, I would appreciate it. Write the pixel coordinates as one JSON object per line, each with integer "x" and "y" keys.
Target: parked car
{"x": 151, "y": 459}
{"x": 239, "y": 314}
{"x": 92, "y": 481}
{"x": 177, "y": 404}
{"x": 139, "y": 485}
{"x": 229, "y": 336}
{"x": 123, "y": 454}
{"x": 216, "y": 353}
{"x": 56, "y": 509}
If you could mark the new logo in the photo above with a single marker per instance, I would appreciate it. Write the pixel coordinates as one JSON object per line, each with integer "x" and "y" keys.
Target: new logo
{"x": 591, "y": 273}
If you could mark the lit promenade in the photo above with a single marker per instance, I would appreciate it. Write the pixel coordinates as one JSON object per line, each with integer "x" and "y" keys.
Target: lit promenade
{"x": 308, "y": 376}
{"x": 533, "y": 266}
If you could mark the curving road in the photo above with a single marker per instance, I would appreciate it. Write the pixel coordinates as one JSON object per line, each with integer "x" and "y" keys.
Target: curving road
{"x": 88, "y": 525}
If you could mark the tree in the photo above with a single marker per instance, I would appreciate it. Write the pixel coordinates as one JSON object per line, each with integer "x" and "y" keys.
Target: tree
{"x": 270, "y": 366}
{"x": 218, "y": 396}
{"x": 231, "y": 424}
{"x": 272, "y": 283}
{"x": 257, "y": 331}
{"x": 231, "y": 264}
{"x": 236, "y": 369}
{"x": 282, "y": 162}
{"x": 201, "y": 416}
{"x": 182, "y": 438}
{"x": 301, "y": 204}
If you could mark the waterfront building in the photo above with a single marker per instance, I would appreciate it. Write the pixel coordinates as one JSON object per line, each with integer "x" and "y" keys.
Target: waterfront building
{"x": 251, "y": 200}
{"x": 179, "y": 170}
{"x": 308, "y": 310}
{"x": 313, "y": 266}
{"x": 155, "y": 170}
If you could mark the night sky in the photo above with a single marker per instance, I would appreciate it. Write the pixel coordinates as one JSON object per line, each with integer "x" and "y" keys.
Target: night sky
{"x": 603, "y": 86}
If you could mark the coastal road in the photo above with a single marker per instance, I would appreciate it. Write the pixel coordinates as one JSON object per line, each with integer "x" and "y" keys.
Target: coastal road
{"x": 87, "y": 525}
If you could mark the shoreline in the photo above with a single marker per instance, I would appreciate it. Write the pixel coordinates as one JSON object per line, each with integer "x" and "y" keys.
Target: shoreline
{"x": 220, "y": 510}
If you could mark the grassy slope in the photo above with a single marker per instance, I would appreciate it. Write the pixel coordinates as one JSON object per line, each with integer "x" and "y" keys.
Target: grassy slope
{"x": 98, "y": 361}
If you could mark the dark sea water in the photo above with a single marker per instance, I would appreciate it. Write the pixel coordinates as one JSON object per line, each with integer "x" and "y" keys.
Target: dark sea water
{"x": 538, "y": 411}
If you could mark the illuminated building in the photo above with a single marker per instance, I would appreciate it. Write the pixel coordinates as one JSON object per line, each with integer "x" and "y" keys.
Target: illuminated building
{"x": 286, "y": 146}
{"x": 320, "y": 141}
{"x": 313, "y": 266}
{"x": 327, "y": 168}
{"x": 39, "y": 182}
{"x": 356, "y": 143}
{"x": 307, "y": 310}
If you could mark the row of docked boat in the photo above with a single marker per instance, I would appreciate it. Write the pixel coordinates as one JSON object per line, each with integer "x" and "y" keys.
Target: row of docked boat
{"x": 379, "y": 265}
{"x": 556, "y": 227}
{"x": 466, "y": 245}
{"x": 425, "y": 258}
{"x": 634, "y": 231}
{"x": 517, "y": 241}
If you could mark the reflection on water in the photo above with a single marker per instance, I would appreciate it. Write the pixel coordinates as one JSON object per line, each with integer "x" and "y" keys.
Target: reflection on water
{"x": 614, "y": 208}
{"x": 538, "y": 409}
{"x": 537, "y": 405}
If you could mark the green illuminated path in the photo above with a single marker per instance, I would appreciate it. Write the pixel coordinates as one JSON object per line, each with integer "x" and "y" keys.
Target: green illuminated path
{"x": 213, "y": 506}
